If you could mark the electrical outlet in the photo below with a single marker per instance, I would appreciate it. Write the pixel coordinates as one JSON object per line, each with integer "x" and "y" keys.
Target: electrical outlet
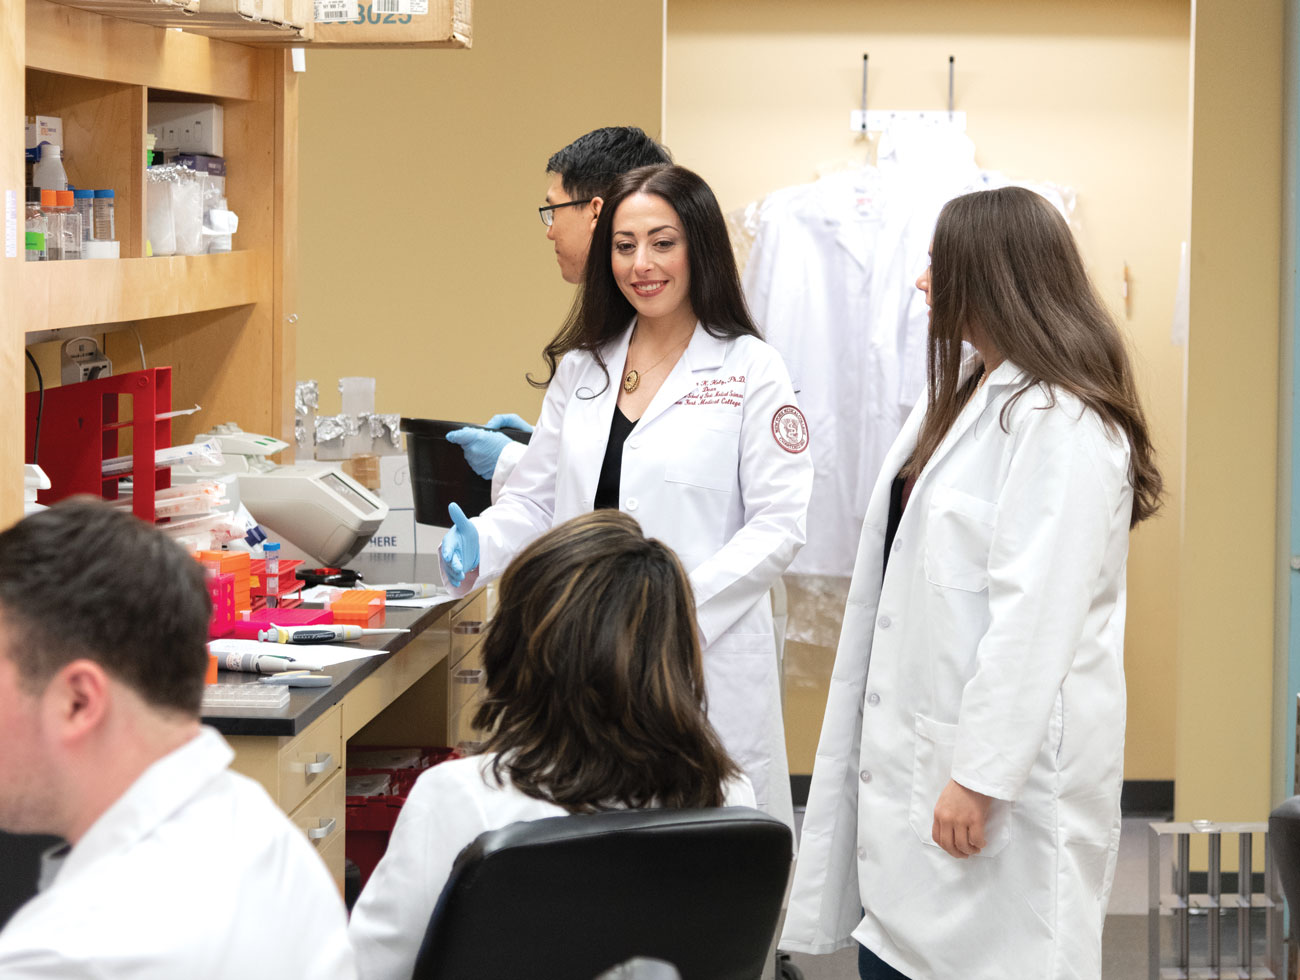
{"x": 82, "y": 360}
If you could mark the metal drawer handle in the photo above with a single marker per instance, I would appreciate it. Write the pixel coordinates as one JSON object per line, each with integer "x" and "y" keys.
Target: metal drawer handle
{"x": 324, "y": 763}
{"x": 469, "y": 675}
{"x": 471, "y": 626}
{"x": 324, "y": 830}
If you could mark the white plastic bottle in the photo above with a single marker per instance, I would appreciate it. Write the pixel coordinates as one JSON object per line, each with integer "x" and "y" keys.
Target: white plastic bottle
{"x": 49, "y": 174}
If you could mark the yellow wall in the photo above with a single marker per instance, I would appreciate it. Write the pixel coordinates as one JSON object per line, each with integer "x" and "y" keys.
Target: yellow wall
{"x": 1225, "y": 637}
{"x": 1085, "y": 93}
{"x": 423, "y": 262}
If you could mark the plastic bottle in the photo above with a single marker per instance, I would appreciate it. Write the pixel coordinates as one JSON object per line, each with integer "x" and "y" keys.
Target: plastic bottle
{"x": 104, "y": 230}
{"x": 271, "y": 550}
{"x": 48, "y": 174}
{"x": 83, "y": 202}
{"x": 70, "y": 230}
{"x": 36, "y": 227}
{"x": 53, "y": 225}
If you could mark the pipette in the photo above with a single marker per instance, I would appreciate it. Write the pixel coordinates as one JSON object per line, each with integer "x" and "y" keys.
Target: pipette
{"x": 321, "y": 633}
{"x": 410, "y": 590}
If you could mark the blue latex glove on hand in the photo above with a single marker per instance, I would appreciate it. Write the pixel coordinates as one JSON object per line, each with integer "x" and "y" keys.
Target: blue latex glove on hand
{"x": 459, "y": 549}
{"x": 509, "y": 421}
{"x": 483, "y": 448}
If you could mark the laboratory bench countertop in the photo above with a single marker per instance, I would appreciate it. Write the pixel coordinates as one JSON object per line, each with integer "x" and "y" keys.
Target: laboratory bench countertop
{"x": 306, "y": 704}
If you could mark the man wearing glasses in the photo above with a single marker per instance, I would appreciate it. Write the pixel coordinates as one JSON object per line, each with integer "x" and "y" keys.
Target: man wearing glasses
{"x": 581, "y": 174}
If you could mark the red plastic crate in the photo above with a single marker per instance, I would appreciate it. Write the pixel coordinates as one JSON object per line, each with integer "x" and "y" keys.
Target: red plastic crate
{"x": 370, "y": 819}
{"x": 288, "y": 585}
{"x": 221, "y": 588}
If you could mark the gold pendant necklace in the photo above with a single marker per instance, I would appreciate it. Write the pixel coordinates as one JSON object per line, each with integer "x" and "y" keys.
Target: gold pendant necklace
{"x": 632, "y": 380}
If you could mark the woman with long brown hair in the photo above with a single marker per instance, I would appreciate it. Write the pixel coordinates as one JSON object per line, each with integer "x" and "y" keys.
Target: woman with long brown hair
{"x": 662, "y": 401}
{"x": 964, "y": 812}
{"x": 594, "y": 701}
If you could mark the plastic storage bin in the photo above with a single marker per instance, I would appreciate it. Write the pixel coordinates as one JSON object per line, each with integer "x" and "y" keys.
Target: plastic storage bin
{"x": 371, "y": 818}
{"x": 439, "y": 473}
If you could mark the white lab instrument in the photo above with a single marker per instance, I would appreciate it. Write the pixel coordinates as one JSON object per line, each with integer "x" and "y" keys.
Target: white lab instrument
{"x": 314, "y": 506}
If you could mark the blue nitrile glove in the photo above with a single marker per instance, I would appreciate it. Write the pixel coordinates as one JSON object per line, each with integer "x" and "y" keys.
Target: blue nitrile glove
{"x": 481, "y": 448}
{"x": 459, "y": 546}
{"x": 509, "y": 421}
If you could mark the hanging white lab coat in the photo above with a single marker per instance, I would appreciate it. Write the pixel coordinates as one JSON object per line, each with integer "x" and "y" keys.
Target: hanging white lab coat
{"x": 990, "y": 654}
{"x": 192, "y": 873}
{"x": 447, "y": 809}
{"x": 831, "y": 282}
{"x": 717, "y": 468}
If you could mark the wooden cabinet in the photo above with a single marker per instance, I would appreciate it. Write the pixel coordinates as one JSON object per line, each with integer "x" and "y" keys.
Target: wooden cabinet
{"x": 304, "y": 776}
{"x": 223, "y": 322}
{"x": 408, "y": 699}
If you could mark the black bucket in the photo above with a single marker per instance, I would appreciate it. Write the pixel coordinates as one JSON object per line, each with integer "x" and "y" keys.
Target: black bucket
{"x": 439, "y": 473}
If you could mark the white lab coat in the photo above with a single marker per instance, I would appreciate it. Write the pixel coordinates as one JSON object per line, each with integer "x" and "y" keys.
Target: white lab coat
{"x": 991, "y": 654}
{"x": 831, "y": 280}
{"x": 704, "y": 472}
{"x": 193, "y": 873}
{"x": 447, "y": 809}
{"x": 511, "y": 453}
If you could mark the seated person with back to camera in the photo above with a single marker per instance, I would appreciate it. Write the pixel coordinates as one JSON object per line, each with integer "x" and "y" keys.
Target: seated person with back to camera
{"x": 600, "y": 620}
{"x": 176, "y": 866}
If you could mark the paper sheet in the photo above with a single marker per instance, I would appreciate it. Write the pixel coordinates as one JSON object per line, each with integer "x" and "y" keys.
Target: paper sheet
{"x": 315, "y": 654}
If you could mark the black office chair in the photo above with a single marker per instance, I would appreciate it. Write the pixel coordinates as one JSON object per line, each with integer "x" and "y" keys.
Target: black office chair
{"x": 571, "y": 897}
{"x": 1284, "y": 840}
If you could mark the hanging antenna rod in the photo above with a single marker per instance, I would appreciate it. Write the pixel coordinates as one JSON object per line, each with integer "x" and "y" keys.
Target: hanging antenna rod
{"x": 864, "y": 91}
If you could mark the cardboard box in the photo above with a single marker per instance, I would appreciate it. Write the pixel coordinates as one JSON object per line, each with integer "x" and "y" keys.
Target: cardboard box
{"x": 188, "y": 127}
{"x": 397, "y": 534}
{"x": 43, "y": 129}
{"x": 389, "y": 23}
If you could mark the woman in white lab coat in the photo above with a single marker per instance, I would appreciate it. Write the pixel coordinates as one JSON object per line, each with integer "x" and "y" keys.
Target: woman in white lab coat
{"x": 963, "y": 819}
{"x": 595, "y": 691}
{"x": 664, "y": 403}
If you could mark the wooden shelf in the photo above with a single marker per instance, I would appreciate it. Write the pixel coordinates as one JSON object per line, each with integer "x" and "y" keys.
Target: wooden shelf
{"x": 73, "y": 294}
{"x": 69, "y": 41}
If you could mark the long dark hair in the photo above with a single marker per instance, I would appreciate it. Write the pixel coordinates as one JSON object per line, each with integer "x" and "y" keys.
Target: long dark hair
{"x": 601, "y": 312}
{"x": 1005, "y": 264}
{"x": 595, "y": 683}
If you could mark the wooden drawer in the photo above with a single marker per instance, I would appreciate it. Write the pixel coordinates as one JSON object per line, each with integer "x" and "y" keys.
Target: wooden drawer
{"x": 460, "y": 729}
{"x": 466, "y": 684}
{"x": 308, "y": 761}
{"x": 466, "y": 640}
{"x": 322, "y": 815}
{"x": 289, "y": 769}
{"x": 333, "y": 853}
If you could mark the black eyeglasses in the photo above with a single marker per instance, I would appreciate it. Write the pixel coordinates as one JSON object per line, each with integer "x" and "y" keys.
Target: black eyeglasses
{"x": 548, "y": 213}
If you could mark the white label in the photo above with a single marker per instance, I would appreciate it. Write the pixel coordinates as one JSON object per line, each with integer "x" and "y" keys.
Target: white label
{"x": 334, "y": 11}
{"x": 11, "y": 224}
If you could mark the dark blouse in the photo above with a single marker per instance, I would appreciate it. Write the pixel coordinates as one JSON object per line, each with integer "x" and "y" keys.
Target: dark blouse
{"x": 899, "y": 491}
{"x": 612, "y": 467}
